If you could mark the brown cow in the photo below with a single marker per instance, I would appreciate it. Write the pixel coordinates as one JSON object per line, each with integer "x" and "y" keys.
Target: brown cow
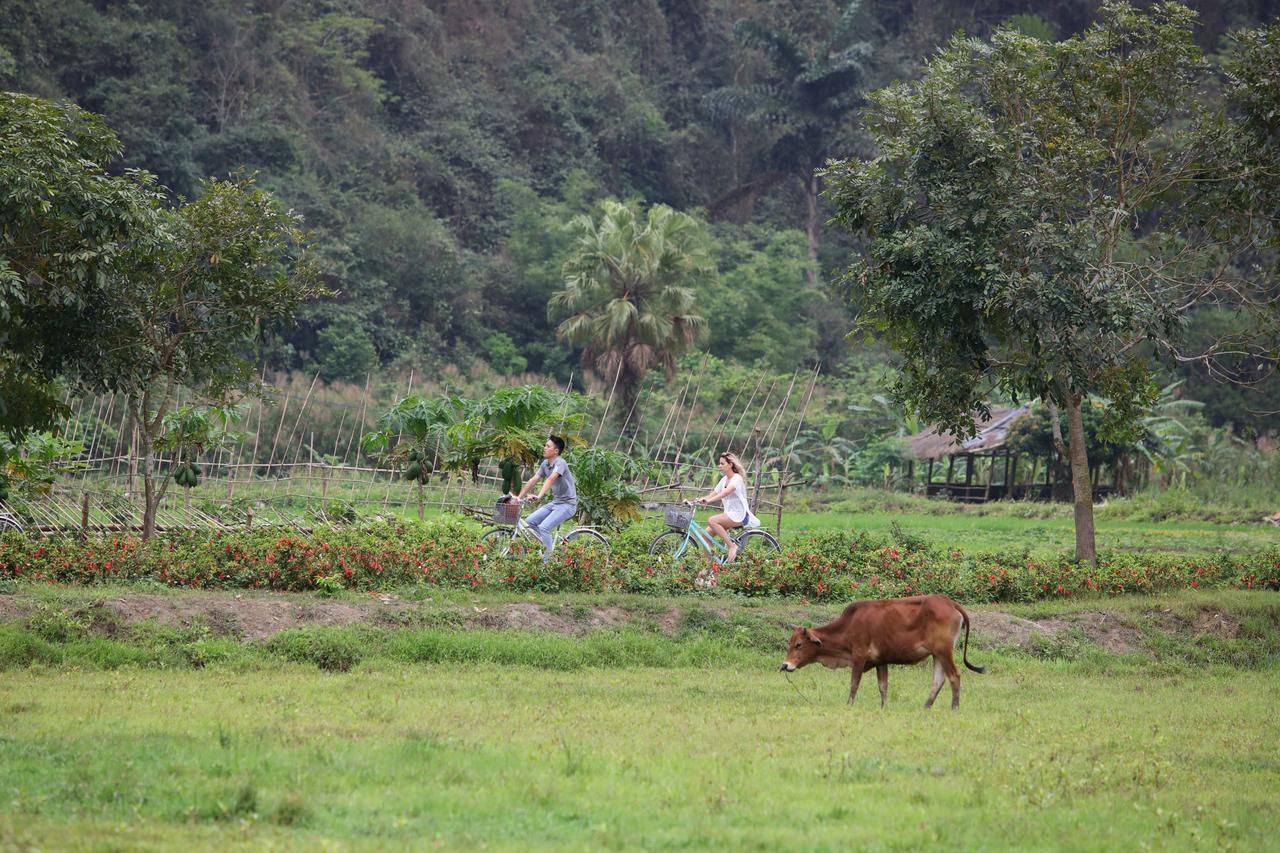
{"x": 878, "y": 633}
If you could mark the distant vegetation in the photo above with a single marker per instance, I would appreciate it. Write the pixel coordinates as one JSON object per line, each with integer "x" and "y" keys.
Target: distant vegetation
{"x": 448, "y": 161}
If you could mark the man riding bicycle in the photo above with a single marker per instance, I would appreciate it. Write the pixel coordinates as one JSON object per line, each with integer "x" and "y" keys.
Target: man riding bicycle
{"x": 564, "y": 495}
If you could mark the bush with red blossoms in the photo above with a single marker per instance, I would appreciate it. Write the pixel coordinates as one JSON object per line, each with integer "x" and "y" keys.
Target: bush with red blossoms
{"x": 447, "y": 553}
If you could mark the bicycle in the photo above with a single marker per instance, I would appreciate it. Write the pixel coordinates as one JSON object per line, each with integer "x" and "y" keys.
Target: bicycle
{"x": 514, "y": 537}
{"x": 10, "y": 523}
{"x": 684, "y": 528}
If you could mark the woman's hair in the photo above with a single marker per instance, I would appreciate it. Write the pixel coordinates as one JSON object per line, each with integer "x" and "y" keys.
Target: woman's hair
{"x": 735, "y": 463}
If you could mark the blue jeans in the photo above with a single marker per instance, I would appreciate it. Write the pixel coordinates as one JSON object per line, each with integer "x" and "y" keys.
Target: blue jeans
{"x": 545, "y": 520}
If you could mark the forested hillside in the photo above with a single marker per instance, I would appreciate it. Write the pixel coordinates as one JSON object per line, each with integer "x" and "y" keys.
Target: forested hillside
{"x": 438, "y": 150}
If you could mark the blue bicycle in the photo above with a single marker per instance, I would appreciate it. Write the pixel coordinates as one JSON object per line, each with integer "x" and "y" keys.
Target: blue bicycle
{"x": 514, "y": 537}
{"x": 684, "y": 529}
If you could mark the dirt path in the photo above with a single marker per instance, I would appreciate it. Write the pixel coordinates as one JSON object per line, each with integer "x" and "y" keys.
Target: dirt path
{"x": 253, "y": 616}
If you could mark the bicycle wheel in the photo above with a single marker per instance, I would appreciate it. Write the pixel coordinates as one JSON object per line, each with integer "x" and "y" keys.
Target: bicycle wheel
{"x": 506, "y": 542}
{"x": 669, "y": 545}
{"x": 587, "y": 535}
{"x": 756, "y": 542}
{"x": 10, "y": 523}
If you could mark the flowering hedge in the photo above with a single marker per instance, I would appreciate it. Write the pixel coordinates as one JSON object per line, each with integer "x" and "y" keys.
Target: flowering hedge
{"x": 447, "y": 553}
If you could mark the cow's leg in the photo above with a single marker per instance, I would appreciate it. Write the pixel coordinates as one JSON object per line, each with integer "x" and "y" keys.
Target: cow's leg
{"x": 938, "y": 677}
{"x": 882, "y": 679}
{"x": 857, "y": 665}
{"x": 953, "y": 675}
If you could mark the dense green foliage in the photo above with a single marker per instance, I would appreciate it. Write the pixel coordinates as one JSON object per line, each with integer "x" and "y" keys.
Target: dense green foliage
{"x": 65, "y": 222}
{"x": 437, "y": 150}
{"x": 1039, "y": 212}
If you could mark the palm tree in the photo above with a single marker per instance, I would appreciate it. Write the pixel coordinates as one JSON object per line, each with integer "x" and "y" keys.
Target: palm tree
{"x": 808, "y": 96}
{"x": 628, "y": 298}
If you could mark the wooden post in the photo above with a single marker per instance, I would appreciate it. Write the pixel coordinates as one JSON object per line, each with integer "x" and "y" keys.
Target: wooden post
{"x": 84, "y": 516}
{"x": 951, "y": 467}
{"x": 248, "y": 518}
{"x": 991, "y": 475}
{"x": 928, "y": 478}
{"x": 968, "y": 470}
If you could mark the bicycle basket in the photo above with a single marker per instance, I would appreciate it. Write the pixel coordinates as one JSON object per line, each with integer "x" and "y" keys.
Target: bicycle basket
{"x": 506, "y": 512}
{"x": 678, "y": 517}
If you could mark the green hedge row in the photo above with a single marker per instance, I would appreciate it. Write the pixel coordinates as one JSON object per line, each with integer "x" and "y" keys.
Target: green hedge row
{"x": 447, "y": 553}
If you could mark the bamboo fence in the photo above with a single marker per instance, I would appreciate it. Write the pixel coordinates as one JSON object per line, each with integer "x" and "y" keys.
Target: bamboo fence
{"x": 299, "y": 486}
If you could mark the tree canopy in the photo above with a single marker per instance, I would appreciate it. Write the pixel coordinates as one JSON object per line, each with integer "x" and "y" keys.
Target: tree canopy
{"x": 1041, "y": 214}
{"x": 65, "y": 221}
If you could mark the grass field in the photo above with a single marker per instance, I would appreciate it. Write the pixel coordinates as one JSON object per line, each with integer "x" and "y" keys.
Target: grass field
{"x": 511, "y": 740}
{"x": 1042, "y": 536}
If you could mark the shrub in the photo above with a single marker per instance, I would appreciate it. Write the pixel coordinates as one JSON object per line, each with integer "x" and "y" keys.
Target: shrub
{"x": 331, "y": 649}
{"x": 830, "y": 566}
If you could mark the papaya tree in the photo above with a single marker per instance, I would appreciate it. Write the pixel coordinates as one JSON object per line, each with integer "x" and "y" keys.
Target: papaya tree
{"x": 413, "y": 435}
{"x": 190, "y": 431}
{"x": 1043, "y": 218}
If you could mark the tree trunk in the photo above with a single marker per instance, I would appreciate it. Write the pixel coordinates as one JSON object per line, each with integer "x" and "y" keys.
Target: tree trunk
{"x": 150, "y": 500}
{"x": 153, "y": 489}
{"x": 1082, "y": 486}
{"x": 811, "y": 227}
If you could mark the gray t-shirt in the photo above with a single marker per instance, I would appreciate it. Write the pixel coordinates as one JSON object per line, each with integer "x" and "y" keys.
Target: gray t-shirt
{"x": 563, "y": 490}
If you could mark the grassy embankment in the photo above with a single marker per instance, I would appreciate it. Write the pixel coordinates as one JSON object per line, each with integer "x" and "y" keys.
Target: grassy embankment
{"x": 630, "y": 738}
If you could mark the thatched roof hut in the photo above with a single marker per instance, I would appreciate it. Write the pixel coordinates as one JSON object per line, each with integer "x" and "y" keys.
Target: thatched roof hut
{"x": 992, "y": 434}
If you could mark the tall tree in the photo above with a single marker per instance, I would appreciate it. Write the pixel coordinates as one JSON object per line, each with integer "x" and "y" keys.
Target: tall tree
{"x": 628, "y": 298}
{"x": 1042, "y": 215}
{"x": 187, "y": 303}
{"x": 810, "y": 93}
{"x": 64, "y": 221}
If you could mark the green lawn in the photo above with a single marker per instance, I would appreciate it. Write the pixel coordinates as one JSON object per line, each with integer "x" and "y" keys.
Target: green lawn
{"x": 1043, "y": 536}
{"x": 1042, "y": 754}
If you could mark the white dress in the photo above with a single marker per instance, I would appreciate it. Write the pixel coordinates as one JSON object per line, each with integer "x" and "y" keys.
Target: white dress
{"x": 735, "y": 503}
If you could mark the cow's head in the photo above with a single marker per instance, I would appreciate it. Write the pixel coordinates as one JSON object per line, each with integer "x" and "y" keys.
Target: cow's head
{"x": 802, "y": 649}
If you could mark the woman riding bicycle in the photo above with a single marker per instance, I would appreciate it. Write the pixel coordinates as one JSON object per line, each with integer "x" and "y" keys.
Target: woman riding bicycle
{"x": 731, "y": 491}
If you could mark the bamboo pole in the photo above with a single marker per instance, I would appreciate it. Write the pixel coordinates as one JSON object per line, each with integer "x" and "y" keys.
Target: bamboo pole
{"x": 786, "y": 468}
{"x": 692, "y": 408}
{"x": 609, "y": 402}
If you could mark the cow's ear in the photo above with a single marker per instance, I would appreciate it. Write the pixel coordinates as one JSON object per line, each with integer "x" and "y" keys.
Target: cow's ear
{"x": 811, "y": 637}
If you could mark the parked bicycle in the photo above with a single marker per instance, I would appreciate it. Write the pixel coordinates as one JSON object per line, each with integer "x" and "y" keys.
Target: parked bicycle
{"x": 514, "y": 537}
{"x": 10, "y": 522}
{"x": 685, "y": 529}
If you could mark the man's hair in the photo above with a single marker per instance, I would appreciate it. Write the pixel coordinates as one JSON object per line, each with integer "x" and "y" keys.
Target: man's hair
{"x": 558, "y": 442}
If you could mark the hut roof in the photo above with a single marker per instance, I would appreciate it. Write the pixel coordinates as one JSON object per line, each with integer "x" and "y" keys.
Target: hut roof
{"x": 992, "y": 434}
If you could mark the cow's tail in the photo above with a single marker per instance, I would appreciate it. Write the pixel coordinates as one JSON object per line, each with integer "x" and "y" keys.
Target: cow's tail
{"x": 965, "y": 615}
